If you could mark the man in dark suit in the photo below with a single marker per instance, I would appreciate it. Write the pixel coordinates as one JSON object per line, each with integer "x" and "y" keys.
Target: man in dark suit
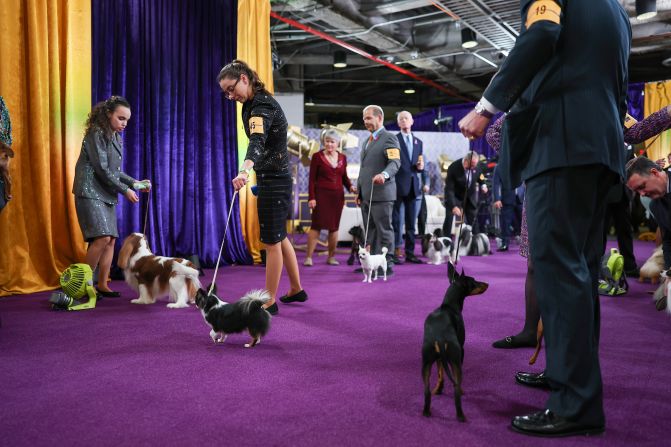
{"x": 565, "y": 84}
{"x": 509, "y": 203}
{"x": 461, "y": 192}
{"x": 649, "y": 180}
{"x": 380, "y": 160}
{"x": 408, "y": 187}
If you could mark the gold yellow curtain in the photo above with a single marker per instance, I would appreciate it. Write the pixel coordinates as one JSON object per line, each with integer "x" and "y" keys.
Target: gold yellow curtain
{"x": 45, "y": 78}
{"x": 253, "y": 48}
{"x": 657, "y": 96}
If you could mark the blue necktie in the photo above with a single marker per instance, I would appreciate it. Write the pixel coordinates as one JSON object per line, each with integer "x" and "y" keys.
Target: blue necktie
{"x": 408, "y": 145}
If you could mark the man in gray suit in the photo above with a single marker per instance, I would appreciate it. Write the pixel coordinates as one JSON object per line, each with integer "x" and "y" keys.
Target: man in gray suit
{"x": 380, "y": 161}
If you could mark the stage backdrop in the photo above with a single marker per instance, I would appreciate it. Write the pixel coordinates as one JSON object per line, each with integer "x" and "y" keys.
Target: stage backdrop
{"x": 182, "y": 136}
{"x": 45, "y": 51}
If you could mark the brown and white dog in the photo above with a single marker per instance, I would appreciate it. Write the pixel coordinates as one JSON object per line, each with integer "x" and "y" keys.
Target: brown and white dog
{"x": 155, "y": 276}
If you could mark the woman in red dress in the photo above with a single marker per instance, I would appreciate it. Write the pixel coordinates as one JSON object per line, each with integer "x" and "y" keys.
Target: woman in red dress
{"x": 328, "y": 176}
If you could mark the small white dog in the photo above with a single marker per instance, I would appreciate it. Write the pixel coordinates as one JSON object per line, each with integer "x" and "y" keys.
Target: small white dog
{"x": 370, "y": 263}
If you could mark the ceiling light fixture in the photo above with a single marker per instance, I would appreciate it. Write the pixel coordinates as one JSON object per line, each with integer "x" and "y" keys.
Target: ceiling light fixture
{"x": 340, "y": 59}
{"x": 646, "y": 9}
{"x": 468, "y": 38}
{"x": 409, "y": 91}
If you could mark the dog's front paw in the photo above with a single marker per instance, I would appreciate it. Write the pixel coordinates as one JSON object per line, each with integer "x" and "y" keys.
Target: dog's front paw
{"x": 138, "y": 301}
{"x": 177, "y": 305}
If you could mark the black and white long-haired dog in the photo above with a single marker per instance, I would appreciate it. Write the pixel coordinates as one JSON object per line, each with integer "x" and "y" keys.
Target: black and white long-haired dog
{"x": 245, "y": 314}
{"x": 473, "y": 244}
{"x": 357, "y": 241}
{"x": 436, "y": 247}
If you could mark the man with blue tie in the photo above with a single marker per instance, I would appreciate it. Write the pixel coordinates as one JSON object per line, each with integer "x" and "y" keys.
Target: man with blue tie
{"x": 408, "y": 187}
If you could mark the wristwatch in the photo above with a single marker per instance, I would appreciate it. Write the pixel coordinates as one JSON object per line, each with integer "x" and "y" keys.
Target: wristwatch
{"x": 482, "y": 111}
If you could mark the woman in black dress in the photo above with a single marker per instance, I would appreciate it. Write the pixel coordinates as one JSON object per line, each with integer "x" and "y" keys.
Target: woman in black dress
{"x": 266, "y": 128}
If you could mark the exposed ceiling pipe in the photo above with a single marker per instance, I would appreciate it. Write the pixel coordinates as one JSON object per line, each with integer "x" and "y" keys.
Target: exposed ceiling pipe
{"x": 367, "y": 55}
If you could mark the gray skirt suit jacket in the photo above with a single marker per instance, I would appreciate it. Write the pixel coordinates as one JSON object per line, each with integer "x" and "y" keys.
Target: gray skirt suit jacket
{"x": 98, "y": 181}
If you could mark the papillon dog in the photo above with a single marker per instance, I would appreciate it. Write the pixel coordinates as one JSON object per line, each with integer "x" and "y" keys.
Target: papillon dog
{"x": 155, "y": 276}
{"x": 436, "y": 247}
{"x": 653, "y": 267}
{"x": 357, "y": 241}
{"x": 472, "y": 244}
{"x": 371, "y": 263}
{"x": 245, "y": 314}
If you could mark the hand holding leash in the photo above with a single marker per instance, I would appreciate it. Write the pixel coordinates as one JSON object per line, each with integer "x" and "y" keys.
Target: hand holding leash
{"x": 240, "y": 180}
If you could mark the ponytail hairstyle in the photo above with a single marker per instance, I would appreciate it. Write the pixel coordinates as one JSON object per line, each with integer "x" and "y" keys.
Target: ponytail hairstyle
{"x": 99, "y": 117}
{"x": 237, "y": 67}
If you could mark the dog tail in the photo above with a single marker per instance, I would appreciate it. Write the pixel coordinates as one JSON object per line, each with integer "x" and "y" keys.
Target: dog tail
{"x": 441, "y": 347}
{"x": 384, "y": 250}
{"x": 254, "y": 299}
{"x": 192, "y": 279}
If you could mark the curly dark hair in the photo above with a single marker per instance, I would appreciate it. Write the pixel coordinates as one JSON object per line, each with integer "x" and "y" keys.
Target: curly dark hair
{"x": 99, "y": 117}
{"x": 235, "y": 68}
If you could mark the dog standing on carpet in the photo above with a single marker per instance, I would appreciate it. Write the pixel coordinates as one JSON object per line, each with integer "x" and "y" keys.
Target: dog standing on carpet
{"x": 436, "y": 247}
{"x": 371, "y": 263}
{"x": 155, "y": 276}
{"x": 473, "y": 244}
{"x": 245, "y": 314}
{"x": 444, "y": 336}
{"x": 357, "y": 241}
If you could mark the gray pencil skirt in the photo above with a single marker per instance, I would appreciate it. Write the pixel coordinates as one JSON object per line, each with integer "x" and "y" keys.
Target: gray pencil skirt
{"x": 96, "y": 218}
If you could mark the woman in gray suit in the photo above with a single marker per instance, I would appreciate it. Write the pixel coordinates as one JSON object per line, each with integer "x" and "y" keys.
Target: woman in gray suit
{"x": 98, "y": 180}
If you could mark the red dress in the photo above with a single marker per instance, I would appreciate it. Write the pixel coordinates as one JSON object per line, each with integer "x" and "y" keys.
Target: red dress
{"x": 326, "y": 187}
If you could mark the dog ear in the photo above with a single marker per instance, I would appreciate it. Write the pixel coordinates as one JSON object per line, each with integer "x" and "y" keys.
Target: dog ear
{"x": 451, "y": 272}
{"x": 125, "y": 252}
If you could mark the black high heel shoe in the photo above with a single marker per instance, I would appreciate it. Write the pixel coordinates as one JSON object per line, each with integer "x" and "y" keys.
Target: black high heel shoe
{"x": 110, "y": 294}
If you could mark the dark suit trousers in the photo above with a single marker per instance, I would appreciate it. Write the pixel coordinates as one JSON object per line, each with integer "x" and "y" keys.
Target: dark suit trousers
{"x": 408, "y": 203}
{"x": 380, "y": 230}
{"x": 565, "y": 214}
{"x": 620, "y": 212}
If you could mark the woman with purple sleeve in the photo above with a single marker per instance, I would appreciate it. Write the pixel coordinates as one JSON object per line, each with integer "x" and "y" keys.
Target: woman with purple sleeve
{"x": 635, "y": 132}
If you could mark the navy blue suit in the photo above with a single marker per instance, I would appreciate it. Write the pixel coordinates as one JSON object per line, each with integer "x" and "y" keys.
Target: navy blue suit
{"x": 511, "y": 209}
{"x": 565, "y": 85}
{"x": 408, "y": 188}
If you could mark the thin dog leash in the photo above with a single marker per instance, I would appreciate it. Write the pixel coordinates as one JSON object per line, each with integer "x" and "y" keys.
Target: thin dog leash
{"x": 221, "y": 249}
{"x": 469, "y": 177}
{"x": 370, "y": 205}
{"x": 146, "y": 214}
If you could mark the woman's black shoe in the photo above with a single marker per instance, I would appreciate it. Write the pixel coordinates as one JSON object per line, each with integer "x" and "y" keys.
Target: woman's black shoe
{"x": 514, "y": 341}
{"x": 110, "y": 294}
{"x": 299, "y": 297}
{"x": 273, "y": 310}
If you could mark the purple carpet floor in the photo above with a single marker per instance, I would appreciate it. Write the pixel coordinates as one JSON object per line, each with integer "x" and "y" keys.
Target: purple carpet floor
{"x": 341, "y": 369}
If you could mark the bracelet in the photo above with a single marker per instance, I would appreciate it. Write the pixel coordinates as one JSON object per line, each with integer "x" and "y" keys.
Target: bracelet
{"x": 246, "y": 171}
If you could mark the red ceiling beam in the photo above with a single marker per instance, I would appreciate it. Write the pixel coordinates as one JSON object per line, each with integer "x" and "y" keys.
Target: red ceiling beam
{"x": 367, "y": 55}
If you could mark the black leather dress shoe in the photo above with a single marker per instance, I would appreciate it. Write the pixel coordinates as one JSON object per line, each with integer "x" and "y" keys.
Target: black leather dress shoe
{"x": 503, "y": 247}
{"x": 537, "y": 380}
{"x": 396, "y": 260}
{"x": 299, "y": 297}
{"x": 514, "y": 341}
{"x": 546, "y": 423}
{"x": 413, "y": 259}
{"x": 110, "y": 294}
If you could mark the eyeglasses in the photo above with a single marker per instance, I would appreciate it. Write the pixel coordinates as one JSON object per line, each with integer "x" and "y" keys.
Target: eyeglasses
{"x": 228, "y": 92}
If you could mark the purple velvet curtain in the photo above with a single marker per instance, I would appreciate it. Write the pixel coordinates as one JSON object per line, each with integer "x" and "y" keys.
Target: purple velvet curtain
{"x": 164, "y": 56}
{"x": 635, "y": 100}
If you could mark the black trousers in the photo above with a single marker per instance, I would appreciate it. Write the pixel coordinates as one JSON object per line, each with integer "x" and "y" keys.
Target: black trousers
{"x": 565, "y": 213}
{"x": 620, "y": 213}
